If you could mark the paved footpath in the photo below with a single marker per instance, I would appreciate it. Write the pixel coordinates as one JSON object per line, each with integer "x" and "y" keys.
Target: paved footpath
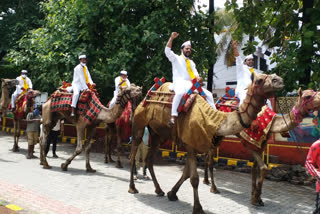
{"x": 25, "y": 184}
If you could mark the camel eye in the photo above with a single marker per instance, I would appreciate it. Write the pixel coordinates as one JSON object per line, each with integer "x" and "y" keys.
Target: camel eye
{"x": 259, "y": 81}
{"x": 274, "y": 80}
{"x": 308, "y": 97}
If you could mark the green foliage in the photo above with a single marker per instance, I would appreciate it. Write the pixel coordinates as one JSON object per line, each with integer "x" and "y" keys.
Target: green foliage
{"x": 277, "y": 24}
{"x": 115, "y": 35}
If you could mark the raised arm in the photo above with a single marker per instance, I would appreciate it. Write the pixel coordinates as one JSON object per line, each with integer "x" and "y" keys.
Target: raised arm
{"x": 169, "y": 54}
{"x": 172, "y": 37}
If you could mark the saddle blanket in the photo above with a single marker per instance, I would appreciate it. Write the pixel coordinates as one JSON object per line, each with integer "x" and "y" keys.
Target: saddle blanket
{"x": 89, "y": 105}
{"x": 255, "y": 135}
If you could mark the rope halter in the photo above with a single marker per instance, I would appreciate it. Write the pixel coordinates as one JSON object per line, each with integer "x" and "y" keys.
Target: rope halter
{"x": 296, "y": 112}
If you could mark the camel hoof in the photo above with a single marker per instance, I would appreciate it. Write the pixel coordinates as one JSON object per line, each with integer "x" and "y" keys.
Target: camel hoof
{"x": 64, "y": 167}
{"x": 91, "y": 170}
{"x": 41, "y": 163}
{"x": 47, "y": 167}
{"x": 133, "y": 190}
{"x": 172, "y": 196}
{"x": 198, "y": 211}
{"x": 206, "y": 182}
{"x": 159, "y": 193}
{"x": 258, "y": 203}
{"x": 15, "y": 149}
{"x": 215, "y": 191}
{"x": 119, "y": 165}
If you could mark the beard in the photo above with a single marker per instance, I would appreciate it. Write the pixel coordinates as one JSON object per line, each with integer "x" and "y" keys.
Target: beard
{"x": 186, "y": 54}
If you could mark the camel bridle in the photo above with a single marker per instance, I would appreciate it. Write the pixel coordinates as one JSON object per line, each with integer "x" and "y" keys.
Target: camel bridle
{"x": 296, "y": 112}
{"x": 255, "y": 88}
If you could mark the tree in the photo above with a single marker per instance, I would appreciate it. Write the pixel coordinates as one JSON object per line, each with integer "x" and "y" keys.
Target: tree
{"x": 280, "y": 26}
{"x": 115, "y": 35}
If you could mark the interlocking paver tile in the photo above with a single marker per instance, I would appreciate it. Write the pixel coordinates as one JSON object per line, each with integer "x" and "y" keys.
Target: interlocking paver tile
{"x": 24, "y": 183}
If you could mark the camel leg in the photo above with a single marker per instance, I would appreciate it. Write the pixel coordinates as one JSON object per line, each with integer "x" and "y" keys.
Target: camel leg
{"x": 258, "y": 165}
{"x": 206, "y": 165}
{"x": 213, "y": 188}
{"x": 156, "y": 140}
{"x": 107, "y": 144}
{"x": 190, "y": 171}
{"x": 91, "y": 131}
{"x": 136, "y": 140}
{"x": 43, "y": 145}
{"x": 119, "y": 147}
{"x": 80, "y": 130}
{"x": 16, "y": 126}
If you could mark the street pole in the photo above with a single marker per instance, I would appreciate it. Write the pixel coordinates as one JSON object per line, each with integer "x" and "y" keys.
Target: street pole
{"x": 210, "y": 71}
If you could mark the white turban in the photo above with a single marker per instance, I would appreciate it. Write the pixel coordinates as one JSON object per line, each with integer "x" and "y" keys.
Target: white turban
{"x": 124, "y": 73}
{"x": 249, "y": 57}
{"x": 24, "y": 71}
{"x": 82, "y": 57}
{"x": 186, "y": 43}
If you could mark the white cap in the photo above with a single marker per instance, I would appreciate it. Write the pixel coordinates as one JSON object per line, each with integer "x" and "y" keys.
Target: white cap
{"x": 24, "y": 71}
{"x": 124, "y": 73}
{"x": 186, "y": 43}
{"x": 249, "y": 57}
{"x": 82, "y": 57}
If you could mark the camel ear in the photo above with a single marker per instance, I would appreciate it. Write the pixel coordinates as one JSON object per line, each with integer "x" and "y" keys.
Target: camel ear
{"x": 299, "y": 92}
{"x": 2, "y": 80}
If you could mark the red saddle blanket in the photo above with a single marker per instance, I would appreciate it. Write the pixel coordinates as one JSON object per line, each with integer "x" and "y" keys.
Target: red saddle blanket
{"x": 256, "y": 134}
{"x": 21, "y": 103}
{"x": 89, "y": 105}
{"x": 123, "y": 122}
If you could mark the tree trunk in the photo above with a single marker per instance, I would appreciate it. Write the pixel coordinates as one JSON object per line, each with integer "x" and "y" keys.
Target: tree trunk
{"x": 210, "y": 71}
{"x": 306, "y": 47}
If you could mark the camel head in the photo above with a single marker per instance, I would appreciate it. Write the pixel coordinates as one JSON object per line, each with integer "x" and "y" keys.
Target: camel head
{"x": 265, "y": 85}
{"x": 135, "y": 94}
{"x": 9, "y": 83}
{"x": 308, "y": 100}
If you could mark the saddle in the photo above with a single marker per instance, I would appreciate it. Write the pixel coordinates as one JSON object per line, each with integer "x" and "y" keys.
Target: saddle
{"x": 228, "y": 102}
{"x": 23, "y": 100}
{"x": 165, "y": 98}
{"x": 88, "y": 106}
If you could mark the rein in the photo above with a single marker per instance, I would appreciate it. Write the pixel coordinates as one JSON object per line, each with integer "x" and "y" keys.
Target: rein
{"x": 296, "y": 112}
{"x": 255, "y": 87}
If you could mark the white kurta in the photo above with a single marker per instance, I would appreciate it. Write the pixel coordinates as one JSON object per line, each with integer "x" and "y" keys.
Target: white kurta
{"x": 181, "y": 80}
{"x": 79, "y": 83}
{"x": 18, "y": 90}
{"x": 116, "y": 91}
{"x": 244, "y": 80}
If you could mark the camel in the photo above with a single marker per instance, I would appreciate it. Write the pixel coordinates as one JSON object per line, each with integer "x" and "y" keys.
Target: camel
{"x": 195, "y": 129}
{"x": 18, "y": 116}
{"x": 307, "y": 100}
{"x": 106, "y": 115}
{"x": 6, "y": 85}
{"x": 114, "y": 129}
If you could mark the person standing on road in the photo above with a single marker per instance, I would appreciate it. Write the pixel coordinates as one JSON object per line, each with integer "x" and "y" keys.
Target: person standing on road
{"x": 313, "y": 161}
{"x": 142, "y": 153}
{"x": 33, "y": 125}
{"x": 53, "y": 139}
{"x": 183, "y": 72}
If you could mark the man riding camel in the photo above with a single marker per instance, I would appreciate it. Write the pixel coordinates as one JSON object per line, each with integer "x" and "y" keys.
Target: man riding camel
{"x": 244, "y": 71}
{"x": 183, "y": 71}
{"x": 120, "y": 81}
{"x": 24, "y": 85}
{"x": 81, "y": 81}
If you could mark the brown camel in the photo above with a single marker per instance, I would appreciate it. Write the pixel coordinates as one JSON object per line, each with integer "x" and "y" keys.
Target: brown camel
{"x": 18, "y": 116}
{"x": 307, "y": 100}
{"x": 6, "y": 85}
{"x": 196, "y": 129}
{"x": 106, "y": 115}
{"x": 113, "y": 129}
